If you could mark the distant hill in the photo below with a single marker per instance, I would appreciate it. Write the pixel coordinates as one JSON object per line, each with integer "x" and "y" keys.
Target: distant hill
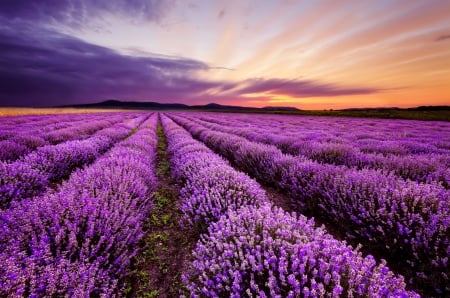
{"x": 431, "y": 108}
{"x": 117, "y": 104}
{"x": 440, "y": 113}
{"x": 280, "y": 109}
{"x": 150, "y": 105}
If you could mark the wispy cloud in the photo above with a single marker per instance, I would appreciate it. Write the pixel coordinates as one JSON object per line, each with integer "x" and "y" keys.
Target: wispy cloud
{"x": 78, "y": 12}
{"x": 50, "y": 68}
{"x": 223, "y": 68}
{"x": 221, "y": 14}
{"x": 67, "y": 51}
{"x": 443, "y": 37}
{"x": 54, "y": 69}
{"x": 301, "y": 88}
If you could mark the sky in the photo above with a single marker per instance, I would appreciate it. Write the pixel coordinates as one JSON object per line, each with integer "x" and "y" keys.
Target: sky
{"x": 306, "y": 54}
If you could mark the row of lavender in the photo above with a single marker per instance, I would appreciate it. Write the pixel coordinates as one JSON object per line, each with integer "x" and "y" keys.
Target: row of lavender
{"x": 409, "y": 159}
{"x": 253, "y": 248}
{"x": 30, "y": 122}
{"x": 32, "y": 174}
{"x": 19, "y": 140}
{"x": 79, "y": 240}
{"x": 402, "y": 220}
{"x": 49, "y": 122}
{"x": 383, "y": 136}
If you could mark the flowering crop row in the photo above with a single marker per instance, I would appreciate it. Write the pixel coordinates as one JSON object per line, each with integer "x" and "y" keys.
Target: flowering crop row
{"x": 210, "y": 185}
{"x": 44, "y": 123}
{"x": 431, "y": 165}
{"x": 252, "y": 248}
{"x": 385, "y": 136}
{"x": 56, "y": 123}
{"x": 400, "y": 219}
{"x": 79, "y": 241}
{"x": 32, "y": 174}
{"x": 21, "y": 140}
{"x": 80, "y": 130}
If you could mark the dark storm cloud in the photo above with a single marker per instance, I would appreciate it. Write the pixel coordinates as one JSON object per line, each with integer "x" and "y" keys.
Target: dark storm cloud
{"x": 77, "y": 12}
{"x": 42, "y": 67}
{"x": 300, "y": 88}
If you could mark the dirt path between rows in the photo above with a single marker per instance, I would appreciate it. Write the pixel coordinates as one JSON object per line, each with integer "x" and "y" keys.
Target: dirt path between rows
{"x": 167, "y": 246}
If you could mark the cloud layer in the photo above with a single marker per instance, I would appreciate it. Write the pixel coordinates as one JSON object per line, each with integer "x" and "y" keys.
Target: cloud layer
{"x": 49, "y": 68}
{"x": 298, "y": 88}
{"x": 326, "y": 54}
{"x": 78, "y": 12}
{"x": 42, "y": 68}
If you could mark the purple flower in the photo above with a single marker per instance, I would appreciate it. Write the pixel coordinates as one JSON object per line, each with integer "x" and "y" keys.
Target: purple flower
{"x": 263, "y": 235}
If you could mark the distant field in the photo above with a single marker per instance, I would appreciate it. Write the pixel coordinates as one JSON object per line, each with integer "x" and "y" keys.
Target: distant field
{"x": 437, "y": 115}
{"x": 47, "y": 111}
{"x": 388, "y": 114}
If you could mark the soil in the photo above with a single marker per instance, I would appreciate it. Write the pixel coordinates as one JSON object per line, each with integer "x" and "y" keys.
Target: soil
{"x": 167, "y": 246}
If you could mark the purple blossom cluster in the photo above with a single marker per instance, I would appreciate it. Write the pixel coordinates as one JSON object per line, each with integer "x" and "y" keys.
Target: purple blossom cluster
{"x": 409, "y": 159}
{"x": 210, "y": 186}
{"x": 78, "y": 131}
{"x": 265, "y": 252}
{"x": 42, "y": 123}
{"x": 79, "y": 241}
{"x": 31, "y": 175}
{"x": 256, "y": 250}
{"x": 11, "y": 149}
{"x": 19, "y": 139}
{"x": 402, "y": 220}
{"x": 401, "y": 137}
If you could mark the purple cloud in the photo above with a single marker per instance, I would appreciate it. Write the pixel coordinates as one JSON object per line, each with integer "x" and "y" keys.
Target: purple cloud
{"x": 40, "y": 67}
{"x": 300, "y": 88}
{"x": 221, "y": 14}
{"x": 77, "y": 12}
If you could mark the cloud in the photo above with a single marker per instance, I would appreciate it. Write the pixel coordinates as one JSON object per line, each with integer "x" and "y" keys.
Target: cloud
{"x": 443, "y": 37}
{"x": 40, "y": 67}
{"x": 78, "y": 12}
{"x": 300, "y": 88}
{"x": 221, "y": 14}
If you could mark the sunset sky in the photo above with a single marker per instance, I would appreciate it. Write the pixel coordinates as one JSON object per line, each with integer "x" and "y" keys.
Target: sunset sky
{"x": 307, "y": 54}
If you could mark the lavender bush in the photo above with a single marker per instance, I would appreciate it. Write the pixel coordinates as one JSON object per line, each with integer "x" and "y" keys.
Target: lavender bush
{"x": 210, "y": 187}
{"x": 20, "y": 138}
{"x": 80, "y": 240}
{"x": 19, "y": 180}
{"x": 32, "y": 174}
{"x": 401, "y": 219}
{"x": 10, "y": 150}
{"x": 408, "y": 159}
{"x": 210, "y": 192}
{"x": 265, "y": 252}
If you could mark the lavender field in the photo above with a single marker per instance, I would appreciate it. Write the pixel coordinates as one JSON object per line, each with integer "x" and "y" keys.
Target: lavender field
{"x": 164, "y": 204}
